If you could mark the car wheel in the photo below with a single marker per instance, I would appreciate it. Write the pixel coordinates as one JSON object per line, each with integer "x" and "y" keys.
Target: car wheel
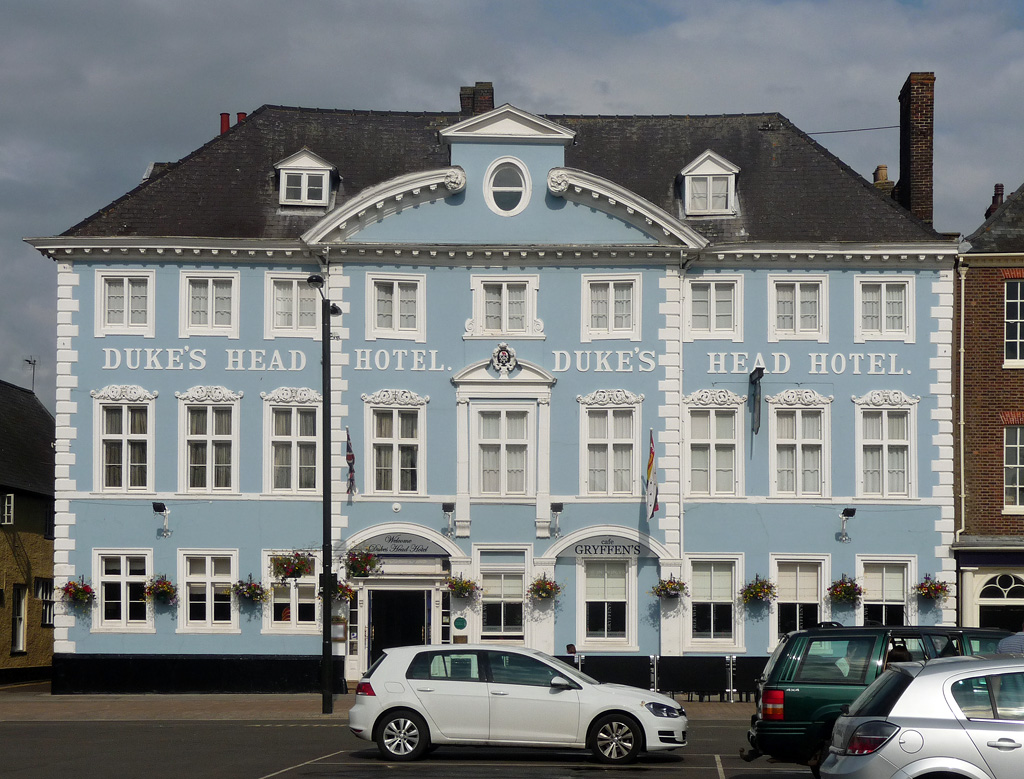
{"x": 817, "y": 759}
{"x": 616, "y": 738}
{"x": 402, "y": 735}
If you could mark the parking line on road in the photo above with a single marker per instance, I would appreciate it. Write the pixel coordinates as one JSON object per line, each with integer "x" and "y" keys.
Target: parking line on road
{"x": 302, "y": 765}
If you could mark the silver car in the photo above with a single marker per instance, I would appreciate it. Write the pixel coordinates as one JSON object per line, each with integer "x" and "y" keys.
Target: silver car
{"x": 945, "y": 719}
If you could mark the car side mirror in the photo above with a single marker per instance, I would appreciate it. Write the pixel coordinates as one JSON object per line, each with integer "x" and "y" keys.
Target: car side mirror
{"x": 844, "y": 709}
{"x": 561, "y": 683}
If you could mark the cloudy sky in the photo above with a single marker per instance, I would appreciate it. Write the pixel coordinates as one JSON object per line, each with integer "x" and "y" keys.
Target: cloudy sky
{"x": 92, "y": 92}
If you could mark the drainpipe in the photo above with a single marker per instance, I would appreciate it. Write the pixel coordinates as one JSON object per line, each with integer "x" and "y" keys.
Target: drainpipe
{"x": 962, "y": 271}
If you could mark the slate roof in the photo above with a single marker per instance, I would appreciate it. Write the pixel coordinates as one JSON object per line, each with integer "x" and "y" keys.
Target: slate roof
{"x": 27, "y": 432}
{"x": 1003, "y": 232}
{"x": 790, "y": 188}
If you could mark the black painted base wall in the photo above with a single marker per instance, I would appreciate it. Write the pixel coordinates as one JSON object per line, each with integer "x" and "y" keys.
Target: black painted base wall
{"x": 74, "y": 673}
{"x": 36, "y": 673}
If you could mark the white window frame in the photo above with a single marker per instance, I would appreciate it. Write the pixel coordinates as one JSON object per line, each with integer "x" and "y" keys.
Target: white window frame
{"x": 1018, "y": 468}
{"x": 712, "y": 332}
{"x": 8, "y": 509}
{"x": 476, "y": 326}
{"x": 211, "y": 398}
{"x": 19, "y": 618}
{"x": 907, "y": 333}
{"x": 210, "y": 582}
{"x": 517, "y": 564}
{"x": 291, "y": 399}
{"x": 297, "y": 282}
{"x": 122, "y": 625}
{"x": 104, "y": 328}
{"x": 417, "y": 334}
{"x": 824, "y": 563}
{"x": 909, "y": 564}
{"x": 800, "y": 402}
{"x": 609, "y": 402}
{"x": 476, "y": 408}
{"x": 820, "y": 333}
{"x": 293, "y": 627}
{"x": 590, "y": 333}
{"x": 185, "y": 326}
{"x": 397, "y": 402}
{"x": 707, "y": 167}
{"x": 714, "y": 402}
{"x": 526, "y": 190}
{"x": 1017, "y": 362}
{"x": 45, "y": 593}
{"x": 738, "y": 641}
{"x": 887, "y": 401}
{"x": 629, "y": 643}
{"x": 124, "y": 398}
{"x": 306, "y": 177}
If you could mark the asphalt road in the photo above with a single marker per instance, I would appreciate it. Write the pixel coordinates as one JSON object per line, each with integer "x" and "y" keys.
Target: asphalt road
{"x": 291, "y": 749}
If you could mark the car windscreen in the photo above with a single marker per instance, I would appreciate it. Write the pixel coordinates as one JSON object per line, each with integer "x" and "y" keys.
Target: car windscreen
{"x": 881, "y": 695}
{"x": 570, "y": 671}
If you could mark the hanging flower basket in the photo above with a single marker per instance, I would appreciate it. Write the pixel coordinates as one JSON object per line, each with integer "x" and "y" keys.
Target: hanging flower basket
{"x": 544, "y": 588}
{"x": 931, "y": 589}
{"x": 160, "y": 589}
{"x": 759, "y": 590}
{"x": 460, "y": 587}
{"x": 669, "y": 588}
{"x": 845, "y": 590}
{"x": 251, "y": 591}
{"x": 345, "y": 592}
{"x": 292, "y": 566}
{"x": 361, "y": 562}
{"x": 78, "y": 593}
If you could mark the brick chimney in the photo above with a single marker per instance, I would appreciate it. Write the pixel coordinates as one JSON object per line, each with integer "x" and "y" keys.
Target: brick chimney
{"x": 997, "y": 200}
{"x": 477, "y": 99}
{"x": 917, "y": 136}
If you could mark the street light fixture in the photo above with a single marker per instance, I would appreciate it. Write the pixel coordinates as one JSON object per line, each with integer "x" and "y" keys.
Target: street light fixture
{"x": 328, "y": 579}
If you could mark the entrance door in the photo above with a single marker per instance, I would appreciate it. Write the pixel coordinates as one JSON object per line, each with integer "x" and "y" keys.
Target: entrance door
{"x": 398, "y": 618}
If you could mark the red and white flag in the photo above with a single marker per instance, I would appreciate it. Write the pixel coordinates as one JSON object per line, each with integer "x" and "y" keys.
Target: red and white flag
{"x": 652, "y": 482}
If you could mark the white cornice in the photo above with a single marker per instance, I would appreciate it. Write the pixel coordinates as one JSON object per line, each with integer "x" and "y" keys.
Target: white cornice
{"x": 912, "y": 254}
{"x": 382, "y": 200}
{"x": 579, "y": 186}
{"x": 508, "y": 123}
{"x": 134, "y": 248}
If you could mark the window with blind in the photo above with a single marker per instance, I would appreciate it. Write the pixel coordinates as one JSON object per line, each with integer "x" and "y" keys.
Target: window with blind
{"x": 606, "y": 601}
{"x": 885, "y": 451}
{"x": 502, "y": 444}
{"x": 209, "y": 304}
{"x": 713, "y": 447}
{"x": 209, "y": 420}
{"x": 799, "y": 309}
{"x": 292, "y": 307}
{"x": 800, "y": 595}
{"x": 125, "y": 303}
{"x": 502, "y": 606}
{"x": 396, "y": 450}
{"x": 126, "y": 445}
{"x": 396, "y": 307}
{"x": 885, "y": 309}
{"x": 711, "y": 308}
{"x": 713, "y": 596}
{"x": 800, "y": 455}
{"x": 294, "y": 448}
{"x": 611, "y": 307}
{"x": 886, "y": 589}
{"x": 504, "y": 306}
{"x": 611, "y": 451}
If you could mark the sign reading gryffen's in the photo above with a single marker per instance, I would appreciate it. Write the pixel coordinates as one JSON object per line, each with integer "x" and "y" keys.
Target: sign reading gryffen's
{"x": 404, "y": 544}
{"x": 608, "y": 546}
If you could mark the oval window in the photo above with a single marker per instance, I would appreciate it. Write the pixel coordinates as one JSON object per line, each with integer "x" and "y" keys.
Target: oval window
{"x": 508, "y": 187}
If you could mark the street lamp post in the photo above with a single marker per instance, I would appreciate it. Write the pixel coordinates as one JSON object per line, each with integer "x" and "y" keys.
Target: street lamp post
{"x": 328, "y": 579}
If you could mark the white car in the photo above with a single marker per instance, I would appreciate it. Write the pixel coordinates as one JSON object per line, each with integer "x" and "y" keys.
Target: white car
{"x": 415, "y": 697}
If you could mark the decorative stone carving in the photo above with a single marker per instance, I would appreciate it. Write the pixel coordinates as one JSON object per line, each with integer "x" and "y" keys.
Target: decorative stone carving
{"x": 558, "y": 182}
{"x": 880, "y": 398}
{"x": 296, "y": 395}
{"x": 799, "y": 397}
{"x": 455, "y": 179}
{"x": 131, "y": 393}
{"x": 714, "y": 397}
{"x": 208, "y": 394}
{"x": 503, "y": 359}
{"x": 392, "y": 397}
{"x": 618, "y": 397}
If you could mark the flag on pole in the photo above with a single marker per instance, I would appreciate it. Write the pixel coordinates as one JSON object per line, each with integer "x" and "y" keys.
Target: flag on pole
{"x": 652, "y": 482}
{"x": 350, "y": 458}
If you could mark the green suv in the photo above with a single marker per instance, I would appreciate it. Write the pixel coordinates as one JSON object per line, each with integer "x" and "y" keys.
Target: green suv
{"x": 813, "y": 673}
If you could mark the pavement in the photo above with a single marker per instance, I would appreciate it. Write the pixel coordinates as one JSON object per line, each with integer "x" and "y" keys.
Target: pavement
{"x": 33, "y": 702}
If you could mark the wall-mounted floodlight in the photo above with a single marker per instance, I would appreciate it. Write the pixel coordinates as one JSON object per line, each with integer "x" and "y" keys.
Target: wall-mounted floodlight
{"x": 556, "y": 512}
{"x": 161, "y": 508}
{"x": 449, "y": 511}
{"x": 846, "y": 514}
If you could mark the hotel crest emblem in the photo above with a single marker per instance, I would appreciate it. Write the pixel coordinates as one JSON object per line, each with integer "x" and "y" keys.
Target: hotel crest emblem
{"x": 503, "y": 359}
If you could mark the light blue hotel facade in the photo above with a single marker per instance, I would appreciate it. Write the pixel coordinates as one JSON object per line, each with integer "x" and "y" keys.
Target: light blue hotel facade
{"x": 514, "y": 333}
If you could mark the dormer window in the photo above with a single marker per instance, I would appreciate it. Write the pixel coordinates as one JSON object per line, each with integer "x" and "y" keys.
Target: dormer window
{"x": 305, "y": 179}
{"x": 709, "y": 186}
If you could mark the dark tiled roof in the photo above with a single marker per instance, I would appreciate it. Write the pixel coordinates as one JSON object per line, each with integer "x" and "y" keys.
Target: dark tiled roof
{"x": 1003, "y": 232}
{"x": 26, "y": 441}
{"x": 790, "y": 189}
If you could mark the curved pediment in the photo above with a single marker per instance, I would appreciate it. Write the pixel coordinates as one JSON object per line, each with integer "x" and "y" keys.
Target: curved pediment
{"x": 383, "y": 200}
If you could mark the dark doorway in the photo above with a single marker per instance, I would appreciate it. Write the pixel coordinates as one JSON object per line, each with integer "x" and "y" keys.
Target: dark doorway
{"x": 1008, "y": 617}
{"x": 398, "y": 618}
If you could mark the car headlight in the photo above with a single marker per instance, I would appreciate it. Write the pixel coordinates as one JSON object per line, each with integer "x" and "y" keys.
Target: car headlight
{"x": 662, "y": 710}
